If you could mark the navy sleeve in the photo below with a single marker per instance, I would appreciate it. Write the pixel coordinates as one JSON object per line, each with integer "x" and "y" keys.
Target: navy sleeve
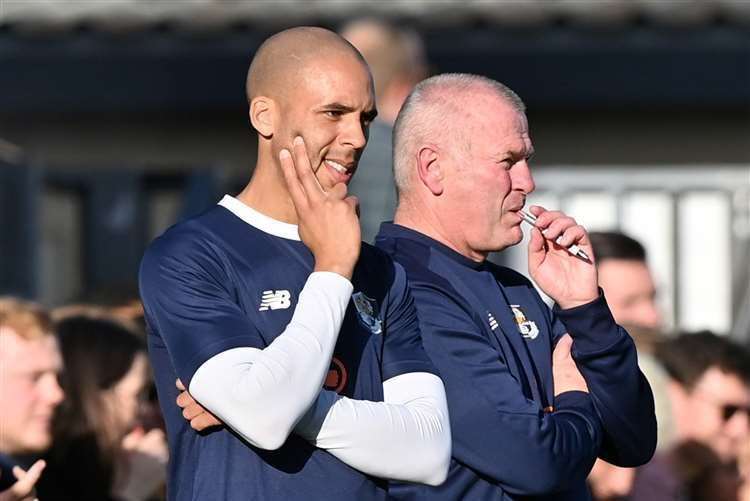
{"x": 402, "y": 347}
{"x": 606, "y": 356}
{"x": 496, "y": 430}
{"x": 184, "y": 289}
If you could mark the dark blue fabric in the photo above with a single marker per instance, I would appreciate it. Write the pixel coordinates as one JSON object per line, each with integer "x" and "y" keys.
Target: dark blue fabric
{"x": 491, "y": 337}
{"x": 7, "y": 479}
{"x": 202, "y": 283}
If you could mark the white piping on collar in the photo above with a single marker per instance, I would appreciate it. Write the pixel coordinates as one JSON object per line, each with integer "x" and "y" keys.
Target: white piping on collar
{"x": 260, "y": 221}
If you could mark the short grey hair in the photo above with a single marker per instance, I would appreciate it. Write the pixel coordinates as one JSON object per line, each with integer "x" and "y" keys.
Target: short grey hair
{"x": 427, "y": 112}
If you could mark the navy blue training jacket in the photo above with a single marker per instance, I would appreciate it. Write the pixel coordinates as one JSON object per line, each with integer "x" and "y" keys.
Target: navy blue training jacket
{"x": 491, "y": 336}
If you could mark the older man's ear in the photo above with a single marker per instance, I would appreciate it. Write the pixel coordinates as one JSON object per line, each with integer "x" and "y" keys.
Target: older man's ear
{"x": 429, "y": 169}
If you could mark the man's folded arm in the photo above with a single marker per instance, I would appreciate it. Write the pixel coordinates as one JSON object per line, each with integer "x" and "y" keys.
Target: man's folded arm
{"x": 262, "y": 393}
{"x": 496, "y": 430}
{"x": 220, "y": 354}
{"x": 606, "y": 356}
{"x": 406, "y": 437}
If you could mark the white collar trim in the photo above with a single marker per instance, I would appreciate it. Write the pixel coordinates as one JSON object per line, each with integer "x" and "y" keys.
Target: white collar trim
{"x": 258, "y": 220}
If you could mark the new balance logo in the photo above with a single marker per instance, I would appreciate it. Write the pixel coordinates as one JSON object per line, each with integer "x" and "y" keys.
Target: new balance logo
{"x": 275, "y": 300}
{"x": 493, "y": 322}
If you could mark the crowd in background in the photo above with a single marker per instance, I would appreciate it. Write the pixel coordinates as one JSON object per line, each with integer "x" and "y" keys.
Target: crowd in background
{"x": 76, "y": 392}
{"x": 80, "y": 419}
{"x": 78, "y": 404}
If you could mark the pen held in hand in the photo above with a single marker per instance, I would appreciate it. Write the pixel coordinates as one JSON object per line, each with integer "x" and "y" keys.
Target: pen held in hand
{"x": 573, "y": 249}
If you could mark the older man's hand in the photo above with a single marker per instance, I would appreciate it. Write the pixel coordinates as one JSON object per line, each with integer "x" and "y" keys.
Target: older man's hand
{"x": 569, "y": 280}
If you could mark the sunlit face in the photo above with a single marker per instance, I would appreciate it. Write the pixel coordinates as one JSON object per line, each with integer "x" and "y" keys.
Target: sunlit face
{"x": 331, "y": 107}
{"x": 126, "y": 396}
{"x": 487, "y": 182}
{"x": 630, "y": 291}
{"x": 29, "y": 391}
{"x": 715, "y": 412}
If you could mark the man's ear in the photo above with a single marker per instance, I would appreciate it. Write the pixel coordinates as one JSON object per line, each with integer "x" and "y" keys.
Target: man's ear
{"x": 262, "y": 113}
{"x": 429, "y": 169}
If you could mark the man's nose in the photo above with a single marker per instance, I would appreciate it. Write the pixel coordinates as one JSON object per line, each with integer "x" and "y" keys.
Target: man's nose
{"x": 53, "y": 392}
{"x": 521, "y": 177}
{"x": 650, "y": 316}
{"x": 354, "y": 134}
{"x": 738, "y": 426}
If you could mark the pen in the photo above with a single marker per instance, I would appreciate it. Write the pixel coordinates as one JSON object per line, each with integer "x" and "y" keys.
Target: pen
{"x": 573, "y": 249}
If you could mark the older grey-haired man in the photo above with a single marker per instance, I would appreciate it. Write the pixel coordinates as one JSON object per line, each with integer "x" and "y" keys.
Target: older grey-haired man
{"x": 534, "y": 394}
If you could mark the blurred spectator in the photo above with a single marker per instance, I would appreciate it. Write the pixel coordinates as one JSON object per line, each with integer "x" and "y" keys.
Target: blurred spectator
{"x": 709, "y": 390}
{"x": 29, "y": 392}
{"x": 691, "y": 471}
{"x": 744, "y": 466}
{"x": 123, "y": 306}
{"x": 100, "y": 451}
{"x": 9, "y": 152}
{"x": 397, "y": 62}
{"x": 626, "y": 279}
{"x": 628, "y": 285}
{"x": 120, "y": 301}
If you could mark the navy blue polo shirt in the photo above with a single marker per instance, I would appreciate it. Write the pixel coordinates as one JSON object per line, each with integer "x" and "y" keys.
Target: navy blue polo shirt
{"x": 214, "y": 283}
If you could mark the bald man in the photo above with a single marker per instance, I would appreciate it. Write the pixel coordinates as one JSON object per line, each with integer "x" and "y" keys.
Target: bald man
{"x": 279, "y": 321}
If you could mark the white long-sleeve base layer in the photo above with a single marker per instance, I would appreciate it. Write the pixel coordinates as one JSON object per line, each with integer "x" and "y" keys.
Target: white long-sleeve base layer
{"x": 263, "y": 395}
{"x": 406, "y": 437}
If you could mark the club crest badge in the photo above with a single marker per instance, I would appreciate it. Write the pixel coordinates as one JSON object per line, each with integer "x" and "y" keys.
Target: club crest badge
{"x": 526, "y": 327}
{"x": 367, "y": 312}
{"x": 337, "y": 376}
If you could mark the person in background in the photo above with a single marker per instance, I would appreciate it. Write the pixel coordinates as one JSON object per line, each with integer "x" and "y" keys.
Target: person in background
{"x": 626, "y": 279}
{"x": 121, "y": 303}
{"x": 99, "y": 451}
{"x": 709, "y": 390}
{"x": 744, "y": 466}
{"x": 630, "y": 289}
{"x": 397, "y": 61}
{"x": 30, "y": 363}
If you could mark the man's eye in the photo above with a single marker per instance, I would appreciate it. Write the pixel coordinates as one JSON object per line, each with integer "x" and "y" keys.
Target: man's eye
{"x": 333, "y": 113}
{"x": 506, "y": 163}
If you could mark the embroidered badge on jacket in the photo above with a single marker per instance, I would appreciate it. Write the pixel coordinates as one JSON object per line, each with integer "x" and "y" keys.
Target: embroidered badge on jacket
{"x": 367, "y": 312}
{"x": 526, "y": 327}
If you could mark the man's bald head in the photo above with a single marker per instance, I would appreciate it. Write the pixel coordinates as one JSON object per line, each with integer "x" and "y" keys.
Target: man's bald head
{"x": 286, "y": 54}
